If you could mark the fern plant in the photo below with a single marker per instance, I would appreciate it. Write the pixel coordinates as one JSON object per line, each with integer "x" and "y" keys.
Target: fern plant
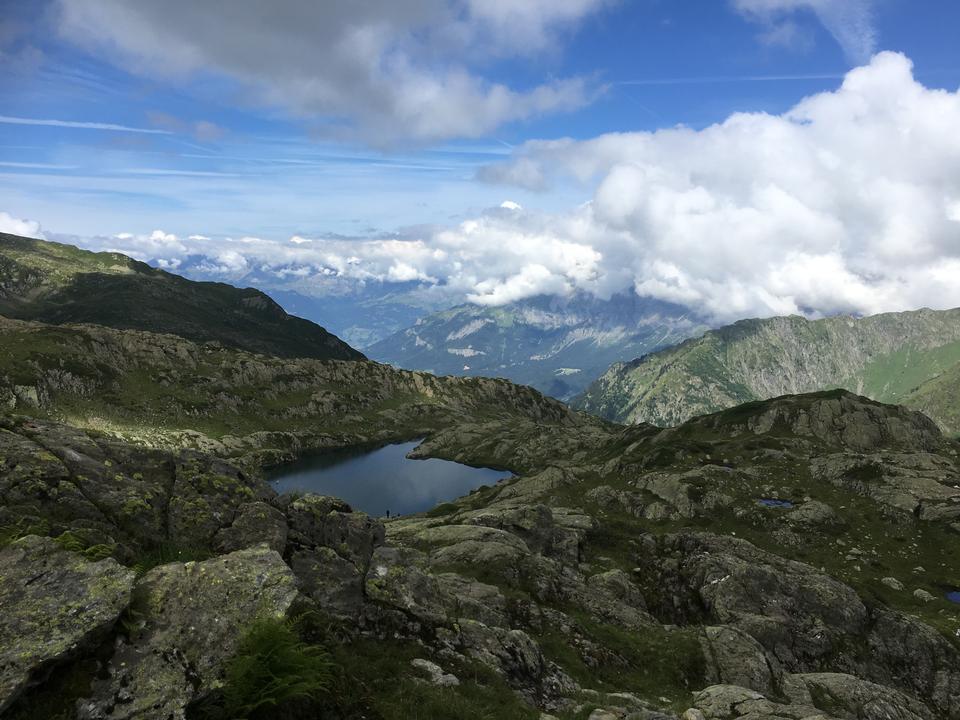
{"x": 272, "y": 666}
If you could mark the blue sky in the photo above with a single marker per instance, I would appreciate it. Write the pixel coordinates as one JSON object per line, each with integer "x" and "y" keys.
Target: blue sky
{"x": 252, "y": 168}
{"x": 312, "y": 122}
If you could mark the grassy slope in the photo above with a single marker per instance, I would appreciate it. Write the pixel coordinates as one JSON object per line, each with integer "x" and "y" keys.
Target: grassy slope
{"x": 886, "y": 357}
{"x": 58, "y": 283}
{"x": 939, "y": 398}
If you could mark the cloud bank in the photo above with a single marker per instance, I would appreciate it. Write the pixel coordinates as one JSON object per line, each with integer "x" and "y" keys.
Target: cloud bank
{"x": 381, "y": 70}
{"x": 847, "y": 203}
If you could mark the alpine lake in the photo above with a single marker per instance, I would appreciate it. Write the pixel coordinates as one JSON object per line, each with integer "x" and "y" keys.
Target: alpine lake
{"x": 383, "y": 480}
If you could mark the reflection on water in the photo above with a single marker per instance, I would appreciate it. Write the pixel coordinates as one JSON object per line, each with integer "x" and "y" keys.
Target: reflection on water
{"x": 376, "y": 481}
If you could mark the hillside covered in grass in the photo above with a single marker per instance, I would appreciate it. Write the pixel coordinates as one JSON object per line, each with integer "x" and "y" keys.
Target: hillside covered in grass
{"x": 906, "y": 357}
{"x": 57, "y": 283}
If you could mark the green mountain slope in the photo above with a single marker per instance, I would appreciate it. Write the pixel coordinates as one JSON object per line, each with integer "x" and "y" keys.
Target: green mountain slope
{"x": 556, "y": 345}
{"x": 56, "y": 283}
{"x": 889, "y": 357}
{"x": 939, "y": 398}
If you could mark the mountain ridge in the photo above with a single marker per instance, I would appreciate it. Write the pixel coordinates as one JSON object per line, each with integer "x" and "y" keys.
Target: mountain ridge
{"x": 57, "y": 283}
{"x": 887, "y": 357}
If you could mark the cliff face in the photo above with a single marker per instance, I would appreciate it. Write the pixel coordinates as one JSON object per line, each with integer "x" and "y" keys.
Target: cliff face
{"x": 886, "y": 357}
{"x": 57, "y": 283}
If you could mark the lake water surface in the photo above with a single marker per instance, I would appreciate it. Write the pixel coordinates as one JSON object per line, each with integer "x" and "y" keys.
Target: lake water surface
{"x": 375, "y": 481}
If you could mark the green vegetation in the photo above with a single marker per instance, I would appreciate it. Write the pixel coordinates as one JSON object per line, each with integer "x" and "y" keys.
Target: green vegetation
{"x": 911, "y": 358}
{"x": 59, "y": 284}
{"x": 22, "y": 527}
{"x": 442, "y": 510}
{"x": 376, "y": 678}
{"x": 653, "y": 662}
{"x": 169, "y": 552}
{"x": 75, "y": 543}
{"x": 271, "y": 668}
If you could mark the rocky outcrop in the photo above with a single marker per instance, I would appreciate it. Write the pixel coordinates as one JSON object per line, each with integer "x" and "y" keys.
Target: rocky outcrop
{"x": 237, "y": 404}
{"x": 128, "y": 498}
{"x": 56, "y": 604}
{"x": 621, "y": 571}
{"x": 817, "y": 696}
{"x": 920, "y": 484}
{"x": 187, "y": 621}
{"x": 805, "y": 620}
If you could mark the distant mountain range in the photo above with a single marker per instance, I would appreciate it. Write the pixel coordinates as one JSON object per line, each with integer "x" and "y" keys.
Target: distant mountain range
{"x": 56, "y": 283}
{"x": 558, "y": 345}
{"x": 907, "y": 358}
{"x": 362, "y": 315}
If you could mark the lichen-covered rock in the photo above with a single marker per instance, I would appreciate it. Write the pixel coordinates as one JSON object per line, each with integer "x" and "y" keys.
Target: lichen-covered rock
{"x": 849, "y": 696}
{"x": 191, "y": 618}
{"x": 333, "y": 582}
{"x": 434, "y": 673}
{"x": 54, "y": 603}
{"x": 729, "y": 702}
{"x": 535, "y": 525}
{"x": 609, "y": 597}
{"x": 735, "y": 658}
{"x": 796, "y": 612}
{"x": 814, "y": 515}
{"x": 917, "y": 484}
{"x": 806, "y": 619}
{"x": 255, "y": 523}
{"x": 518, "y": 657}
{"x": 63, "y": 478}
{"x": 317, "y": 520}
{"x": 206, "y": 495}
{"x": 402, "y": 593}
{"x": 473, "y": 600}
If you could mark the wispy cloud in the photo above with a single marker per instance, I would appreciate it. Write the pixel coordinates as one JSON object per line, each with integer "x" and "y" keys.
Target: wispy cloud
{"x": 81, "y": 125}
{"x": 36, "y": 166}
{"x": 851, "y": 22}
{"x": 717, "y": 79}
{"x": 175, "y": 171}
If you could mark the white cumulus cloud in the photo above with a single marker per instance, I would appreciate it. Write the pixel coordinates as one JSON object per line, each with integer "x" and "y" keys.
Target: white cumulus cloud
{"x": 17, "y": 226}
{"x": 846, "y": 203}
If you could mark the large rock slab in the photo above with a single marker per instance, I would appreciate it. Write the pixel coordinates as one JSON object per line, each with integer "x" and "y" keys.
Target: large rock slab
{"x": 192, "y": 618}
{"x": 55, "y": 603}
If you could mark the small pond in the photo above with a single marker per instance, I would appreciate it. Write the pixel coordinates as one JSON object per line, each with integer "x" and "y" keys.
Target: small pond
{"x": 382, "y": 479}
{"x": 954, "y": 596}
{"x": 775, "y": 503}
